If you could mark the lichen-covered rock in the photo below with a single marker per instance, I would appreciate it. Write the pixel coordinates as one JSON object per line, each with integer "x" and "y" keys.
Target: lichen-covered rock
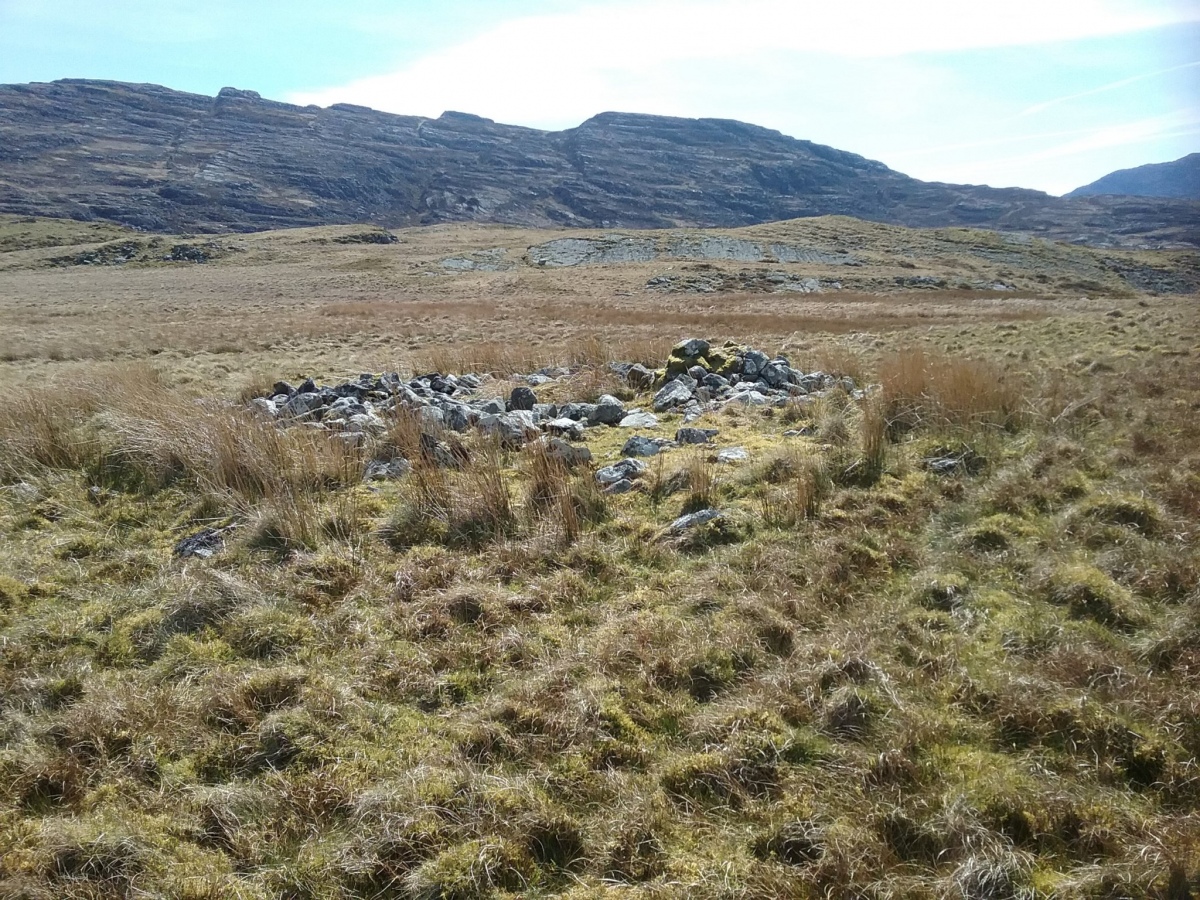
{"x": 631, "y": 469}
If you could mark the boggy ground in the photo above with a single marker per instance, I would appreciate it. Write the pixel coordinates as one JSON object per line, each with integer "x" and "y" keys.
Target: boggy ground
{"x": 867, "y": 679}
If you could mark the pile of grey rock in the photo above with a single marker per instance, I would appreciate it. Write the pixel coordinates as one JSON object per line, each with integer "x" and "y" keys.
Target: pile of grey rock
{"x": 698, "y": 377}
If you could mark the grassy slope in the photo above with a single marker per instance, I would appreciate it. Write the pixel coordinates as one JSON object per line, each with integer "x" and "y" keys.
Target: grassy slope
{"x": 875, "y": 682}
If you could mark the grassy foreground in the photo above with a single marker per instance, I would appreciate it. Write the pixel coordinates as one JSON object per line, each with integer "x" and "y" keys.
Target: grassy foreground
{"x": 868, "y": 679}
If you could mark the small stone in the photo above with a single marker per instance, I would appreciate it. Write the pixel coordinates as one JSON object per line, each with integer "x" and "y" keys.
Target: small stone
{"x": 697, "y": 372}
{"x": 691, "y": 520}
{"x": 639, "y": 445}
{"x": 624, "y": 486}
{"x": 696, "y": 435}
{"x": 626, "y": 468}
{"x": 733, "y": 455}
{"x": 202, "y": 544}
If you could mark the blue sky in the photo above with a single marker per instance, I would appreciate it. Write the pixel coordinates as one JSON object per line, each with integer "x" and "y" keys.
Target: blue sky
{"x": 1048, "y": 94}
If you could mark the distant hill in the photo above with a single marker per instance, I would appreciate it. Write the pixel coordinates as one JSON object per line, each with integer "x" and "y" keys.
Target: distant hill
{"x": 162, "y": 160}
{"x": 1179, "y": 179}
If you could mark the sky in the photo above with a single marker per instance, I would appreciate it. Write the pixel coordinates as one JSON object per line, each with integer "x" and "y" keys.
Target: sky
{"x": 1046, "y": 94}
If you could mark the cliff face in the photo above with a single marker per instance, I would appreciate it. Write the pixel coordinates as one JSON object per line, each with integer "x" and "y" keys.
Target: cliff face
{"x": 1179, "y": 179}
{"x": 162, "y": 160}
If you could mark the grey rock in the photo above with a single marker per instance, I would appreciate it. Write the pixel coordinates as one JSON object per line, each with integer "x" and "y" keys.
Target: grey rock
{"x": 639, "y": 445}
{"x": 696, "y": 435}
{"x": 749, "y": 398}
{"x": 381, "y": 470}
{"x": 753, "y": 363}
{"x": 536, "y": 380}
{"x": 567, "y": 453}
{"x": 776, "y": 374}
{"x": 458, "y": 416}
{"x": 513, "y": 428}
{"x": 674, "y": 393}
{"x": 733, "y": 455}
{"x": 607, "y": 411}
{"x": 697, "y": 372}
{"x": 806, "y": 431}
{"x": 202, "y": 544}
{"x": 564, "y": 427}
{"x": 303, "y": 405}
{"x": 691, "y": 520}
{"x": 265, "y": 406}
{"x": 638, "y": 419}
{"x": 25, "y": 492}
{"x": 282, "y": 387}
{"x": 714, "y": 382}
{"x": 626, "y": 468}
{"x": 639, "y": 377}
{"x": 522, "y": 398}
{"x": 624, "y": 486}
{"x": 494, "y": 407}
{"x": 431, "y": 417}
{"x": 543, "y": 411}
{"x": 691, "y": 347}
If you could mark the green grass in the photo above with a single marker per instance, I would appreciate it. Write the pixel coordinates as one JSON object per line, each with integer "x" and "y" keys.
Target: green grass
{"x": 494, "y": 682}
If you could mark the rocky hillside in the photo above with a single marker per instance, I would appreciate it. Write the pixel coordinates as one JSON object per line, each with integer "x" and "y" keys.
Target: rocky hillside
{"x": 1179, "y": 178}
{"x": 162, "y": 160}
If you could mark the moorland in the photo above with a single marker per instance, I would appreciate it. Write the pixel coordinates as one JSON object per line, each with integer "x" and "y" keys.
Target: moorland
{"x": 940, "y": 636}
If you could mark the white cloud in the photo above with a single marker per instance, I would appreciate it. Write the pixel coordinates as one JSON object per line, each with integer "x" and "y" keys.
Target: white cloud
{"x": 547, "y": 68}
{"x": 859, "y": 74}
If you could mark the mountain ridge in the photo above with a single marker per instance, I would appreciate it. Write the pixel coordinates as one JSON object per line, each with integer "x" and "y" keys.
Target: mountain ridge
{"x": 168, "y": 161}
{"x": 1179, "y": 179}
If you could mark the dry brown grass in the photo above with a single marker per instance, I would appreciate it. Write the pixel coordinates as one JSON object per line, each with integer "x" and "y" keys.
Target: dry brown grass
{"x": 920, "y": 387}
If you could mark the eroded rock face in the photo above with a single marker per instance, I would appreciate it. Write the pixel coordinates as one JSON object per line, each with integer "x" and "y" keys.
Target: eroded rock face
{"x": 163, "y": 160}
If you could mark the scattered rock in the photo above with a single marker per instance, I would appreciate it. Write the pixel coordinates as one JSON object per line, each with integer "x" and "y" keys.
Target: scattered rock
{"x": 733, "y": 455}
